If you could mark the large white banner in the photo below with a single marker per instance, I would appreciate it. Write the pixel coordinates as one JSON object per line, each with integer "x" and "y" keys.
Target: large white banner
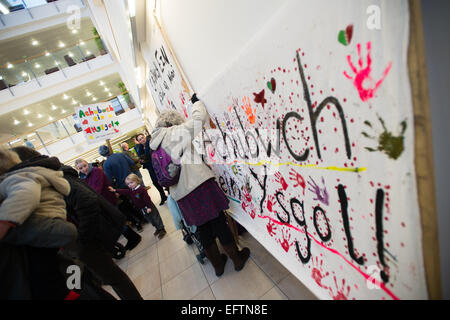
{"x": 315, "y": 147}
{"x": 165, "y": 81}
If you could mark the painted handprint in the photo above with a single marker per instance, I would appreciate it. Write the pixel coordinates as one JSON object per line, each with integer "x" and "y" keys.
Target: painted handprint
{"x": 318, "y": 273}
{"x": 285, "y": 242}
{"x": 321, "y": 193}
{"x": 362, "y": 75}
{"x": 271, "y": 228}
{"x": 227, "y": 121}
{"x": 247, "y": 107}
{"x": 270, "y": 203}
{"x": 280, "y": 179}
{"x": 298, "y": 179}
{"x": 391, "y": 145}
{"x": 247, "y": 184}
{"x": 247, "y": 195}
{"x": 340, "y": 295}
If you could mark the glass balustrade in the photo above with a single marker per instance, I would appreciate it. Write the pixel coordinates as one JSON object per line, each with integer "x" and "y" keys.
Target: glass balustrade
{"x": 30, "y": 68}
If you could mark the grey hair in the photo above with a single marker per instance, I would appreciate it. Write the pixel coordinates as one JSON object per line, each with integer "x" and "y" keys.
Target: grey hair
{"x": 168, "y": 119}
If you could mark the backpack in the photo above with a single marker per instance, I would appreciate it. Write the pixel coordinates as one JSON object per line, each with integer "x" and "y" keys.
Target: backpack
{"x": 166, "y": 170}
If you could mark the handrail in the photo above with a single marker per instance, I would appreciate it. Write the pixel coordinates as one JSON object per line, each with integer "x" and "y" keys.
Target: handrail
{"x": 5, "y": 66}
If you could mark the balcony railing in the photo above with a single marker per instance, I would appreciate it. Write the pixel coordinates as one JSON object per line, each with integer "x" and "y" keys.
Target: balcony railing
{"x": 32, "y": 68}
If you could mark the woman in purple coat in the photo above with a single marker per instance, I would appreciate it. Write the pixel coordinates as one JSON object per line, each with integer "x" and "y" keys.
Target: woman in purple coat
{"x": 97, "y": 180}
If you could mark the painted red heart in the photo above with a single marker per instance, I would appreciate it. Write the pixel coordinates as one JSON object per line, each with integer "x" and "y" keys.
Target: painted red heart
{"x": 116, "y": 130}
{"x": 349, "y": 33}
{"x": 85, "y": 121}
{"x": 272, "y": 85}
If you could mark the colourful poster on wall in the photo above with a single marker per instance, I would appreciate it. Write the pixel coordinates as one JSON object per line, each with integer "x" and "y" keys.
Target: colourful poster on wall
{"x": 314, "y": 147}
{"x": 166, "y": 84}
{"x": 98, "y": 121}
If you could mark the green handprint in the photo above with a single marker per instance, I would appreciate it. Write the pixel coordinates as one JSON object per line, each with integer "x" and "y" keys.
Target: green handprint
{"x": 392, "y": 145}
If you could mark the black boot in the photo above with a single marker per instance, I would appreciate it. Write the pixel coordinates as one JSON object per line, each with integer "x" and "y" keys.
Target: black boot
{"x": 217, "y": 259}
{"x": 238, "y": 257}
{"x": 132, "y": 237}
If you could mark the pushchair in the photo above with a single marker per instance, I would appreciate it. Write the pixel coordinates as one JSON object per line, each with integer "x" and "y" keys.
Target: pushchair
{"x": 192, "y": 237}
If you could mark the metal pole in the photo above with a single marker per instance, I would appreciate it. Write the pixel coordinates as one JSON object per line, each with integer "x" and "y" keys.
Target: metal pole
{"x": 42, "y": 142}
{"x": 28, "y": 10}
{"x": 32, "y": 72}
{"x": 1, "y": 20}
{"x": 58, "y": 65}
{"x": 73, "y": 142}
{"x": 84, "y": 57}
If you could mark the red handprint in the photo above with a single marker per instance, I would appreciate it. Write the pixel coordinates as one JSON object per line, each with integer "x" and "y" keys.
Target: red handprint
{"x": 248, "y": 109}
{"x": 247, "y": 195}
{"x": 363, "y": 74}
{"x": 271, "y": 228}
{"x": 298, "y": 179}
{"x": 285, "y": 243}
{"x": 340, "y": 295}
{"x": 270, "y": 203}
{"x": 317, "y": 272}
{"x": 280, "y": 179}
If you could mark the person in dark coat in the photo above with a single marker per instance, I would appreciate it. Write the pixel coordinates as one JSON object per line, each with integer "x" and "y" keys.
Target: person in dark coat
{"x": 99, "y": 225}
{"x": 145, "y": 153}
{"x": 116, "y": 167}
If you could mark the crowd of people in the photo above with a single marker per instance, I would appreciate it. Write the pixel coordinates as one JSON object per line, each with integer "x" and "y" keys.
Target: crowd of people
{"x": 53, "y": 216}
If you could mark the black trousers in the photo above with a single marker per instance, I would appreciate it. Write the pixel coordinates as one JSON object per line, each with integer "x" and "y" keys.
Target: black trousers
{"x": 215, "y": 228}
{"x": 156, "y": 184}
{"x": 100, "y": 262}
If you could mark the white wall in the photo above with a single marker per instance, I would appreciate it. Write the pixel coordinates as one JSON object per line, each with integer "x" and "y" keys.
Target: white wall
{"x": 436, "y": 25}
{"x": 207, "y": 35}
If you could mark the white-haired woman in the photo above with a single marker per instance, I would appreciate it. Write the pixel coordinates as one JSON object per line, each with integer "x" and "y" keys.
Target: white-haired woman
{"x": 200, "y": 199}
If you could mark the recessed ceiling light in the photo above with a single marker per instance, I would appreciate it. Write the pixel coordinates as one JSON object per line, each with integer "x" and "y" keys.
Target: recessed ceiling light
{"x": 37, "y": 65}
{"x": 106, "y": 90}
{"x": 71, "y": 54}
{"x": 88, "y": 94}
{"x": 102, "y": 83}
{"x": 61, "y": 44}
{"x": 24, "y": 74}
{"x": 16, "y": 122}
{"x": 74, "y": 101}
{"x": 109, "y": 94}
{"x": 34, "y": 42}
{"x": 54, "y": 107}
{"x": 65, "y": 96}
{"x": 10, "y": 66}
{"x": 47, "y": 54}
{"x": 94, "y": 99}
{"x": 74, "y": 31}
{"x": 30, "y": 124}
{"x": 63, "y": 111}
{"x": 50, "y": 118}
{"x": 26, "y": 112}
{"x": 81, "y": 43}
{"x": 88, "y": 52}
{"x": 40, "y": 116}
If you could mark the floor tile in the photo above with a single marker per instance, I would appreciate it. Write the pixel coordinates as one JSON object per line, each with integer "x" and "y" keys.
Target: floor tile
{"x": 186, "y": 285}
{"x": 146, "y": 261}
{"x": 274, "y": 294}
{"x": 294, "y": 289}
{"x": 154, "y": 295}
{"x": 148, "y": 281}
{"x": 205, "y": 295}
{"x": 177, "y": 263}
{"x": 249, "y": 283}
{"x": 170, "y": 244}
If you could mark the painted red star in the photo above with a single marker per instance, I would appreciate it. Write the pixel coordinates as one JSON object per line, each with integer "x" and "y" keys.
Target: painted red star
{"x": 259, "y": 98}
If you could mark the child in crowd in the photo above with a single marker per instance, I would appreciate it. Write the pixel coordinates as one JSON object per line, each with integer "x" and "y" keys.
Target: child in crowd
{"x": 141, "y": 200}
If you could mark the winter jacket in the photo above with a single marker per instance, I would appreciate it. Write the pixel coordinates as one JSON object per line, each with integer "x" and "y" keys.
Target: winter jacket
{"x": 145, "y": 153}
{"x": 136, "y": 160}
{"x": 117, "y": 167}
{"x": 30, "y": 189}
{"x": 97, "y": 219}
{"x": 177, "y": 142}
{"x": 44, "y": 226}
{"x": 98, "y": 181}
{"x": 138, "y": 196}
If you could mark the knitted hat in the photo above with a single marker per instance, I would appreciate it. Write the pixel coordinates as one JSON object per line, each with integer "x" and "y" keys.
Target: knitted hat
{"x": 103, "y": 150}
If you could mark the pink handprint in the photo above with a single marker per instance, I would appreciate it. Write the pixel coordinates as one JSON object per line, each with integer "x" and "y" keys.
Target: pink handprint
{"x": 321, "y": 193}
{"x": 247, "y": 195}
{"x": 363, "y": 74}
{"x": 298, "y": 179}
{"x": 280, "y": 179}
{"x": 271, "y": 228}
{"x": 318, "y": 273}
